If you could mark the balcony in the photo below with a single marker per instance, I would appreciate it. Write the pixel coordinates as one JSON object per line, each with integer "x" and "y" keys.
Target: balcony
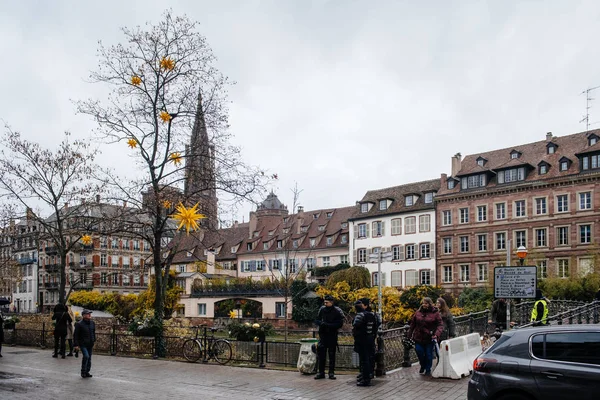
{"x": 27, "y": 260}
{"x": 50, "y": 268}
{"x": 51, "y": 285}
{"x": 51, "y": 250}
{"x": 80, "y": 265}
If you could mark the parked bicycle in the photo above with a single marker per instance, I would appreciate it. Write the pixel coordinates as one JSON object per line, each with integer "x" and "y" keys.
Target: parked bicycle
{"x": 219, "y": 349}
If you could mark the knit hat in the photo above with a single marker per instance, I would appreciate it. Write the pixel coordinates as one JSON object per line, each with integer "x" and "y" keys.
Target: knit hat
{"x": 365, "y": 301}
{"x": 538, "y": 294}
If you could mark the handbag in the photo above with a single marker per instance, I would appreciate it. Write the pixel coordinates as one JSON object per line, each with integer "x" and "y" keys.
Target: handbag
{"x": 408, "y": 342}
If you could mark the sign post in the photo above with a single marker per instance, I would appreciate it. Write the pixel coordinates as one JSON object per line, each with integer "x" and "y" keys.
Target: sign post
{"x": 514, "y": 283}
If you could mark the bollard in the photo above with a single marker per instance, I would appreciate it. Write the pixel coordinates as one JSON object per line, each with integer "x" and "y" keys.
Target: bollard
{"x": 205, "y": 346}
{"x": 113, "y": 342}
{"x": 380, "y": 357}
{"x": 262, "y": 354}
{"x": 43, "y": 338}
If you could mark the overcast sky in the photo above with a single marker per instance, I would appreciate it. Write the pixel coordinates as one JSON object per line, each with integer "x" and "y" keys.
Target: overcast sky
{"x": 339, "y": 96}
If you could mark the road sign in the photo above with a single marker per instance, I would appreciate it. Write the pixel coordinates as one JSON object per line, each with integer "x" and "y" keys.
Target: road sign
{"x": 515, "y": 282}
{"x": 385, "y": 256}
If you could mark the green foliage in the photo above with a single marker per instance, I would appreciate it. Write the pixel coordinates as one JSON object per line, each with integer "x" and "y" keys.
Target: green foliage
{"x": 326, "y": 271}
{"x": 9, "y": 322}
{"x": 250, "y": 308}
{"x": 145, "y": 325}
{"x": 581, "y": 288}
{"x": 475, "y": 299}
{"x": 240, "y": 285}
{"x": 304, "y": 309}
{"x": 356, "y": 277}
{"x": 412, "y": 297}
{"x": 147, "y": 298}
{"x": 250, "y": 332}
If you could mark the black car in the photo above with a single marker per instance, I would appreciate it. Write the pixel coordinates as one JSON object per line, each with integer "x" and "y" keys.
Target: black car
{"x": 545, "y": 363}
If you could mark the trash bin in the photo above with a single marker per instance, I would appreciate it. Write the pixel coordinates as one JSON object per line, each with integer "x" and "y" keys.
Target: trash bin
{"x": 307, "y": 359}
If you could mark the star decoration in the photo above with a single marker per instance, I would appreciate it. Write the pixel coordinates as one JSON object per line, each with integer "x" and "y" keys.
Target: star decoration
{"x": 167, "y": 64}
{"x": 188, "y": 217}
{"x": 136, "y": 80}
{"x": 132, "y": 143}
{"x": 165, "y": 116}
{"x": 232, "y": 314}
{"x": 86, "y": 240}
{"x": 176, "y": 158}
{"x": 167, "y": 204}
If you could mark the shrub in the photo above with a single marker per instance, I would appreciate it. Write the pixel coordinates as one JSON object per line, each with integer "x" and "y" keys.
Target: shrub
{"x": 248, "y": 332}
{"x": 411, "y": 298}
{"x": 145, "y": 325}
{"x": 355, "y": 277}
{"x": 475, "y": 299}
{"x": 582, "y": 288}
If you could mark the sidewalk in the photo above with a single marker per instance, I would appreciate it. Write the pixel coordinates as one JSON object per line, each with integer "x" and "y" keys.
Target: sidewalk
{"x": 31, "y": 373}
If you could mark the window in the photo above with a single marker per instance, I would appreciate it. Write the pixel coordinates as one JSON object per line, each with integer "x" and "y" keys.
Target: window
{"x": 447, "y": 217}
{"x": 562, "y": 203}
{"x": 397, "y": 226}
{"x": 260, "y": 265}
{"x": 425, "y": 277}
{"x": 464, "y": 273}
{"x": 279, "y": 244}
{"x": 280, "y": 309}
{"x": 409, "y": 201}
{"x": 103, "y": 242}
{"x": 410, "y": 225}
{"x": 564, "y": 165}
{"x": 201, "y": 308}
{"x": 585, "y": 234}
{"x": 115, "y": 278}
{"x": 482, "y": 272}
{"x": 344, "y": 225}
{"x": 464, "y": 244}
{"x": 501, "y": 211}
{"x": 410, "y": 251}
{"x": 412, "y": 278}
{"x": 344, "y": 259}
{"x": 293, "y": 265}
{"x": 563, "y": 267}
{"x": 397, "y": 253}
{"x": 482, "y": 242}
{"x": 586, "y": 266}
{"x": 383, "y": 205}
{"x": 424, "y": 223}
{"x": 275, "y": 263}
{"x": 447, "y": 277}
{"x": 540, "y": 206}
{"x": 425, "y": 250}
{"x": 562, "y": 235}
{"x": 103, "y": 260}
{"x": 541, "y": 236}
{"x": 591, "y": 161}
{"x": 511, "y": 175}
{"x": 593, "y": 140}
{"x": 326, "y": 261}
{"x": 316, "y": 216}
{"x": 573, "y": 347}
{"x": 329, "y": 214}
{"x": 248, "y": 246}
{"x": 114, "y": 243}
{"x": 451, "y": 183}
{"x": 542, "y": 269}
{"x": 266, "y": 246}
{"x": 520, "y": 210}
{"x": 551, "y": 149}
{"x": 481, "y": 213}
{"x": 103, "y": 278}
{"x": 321, "y": 228}
{"x": 329, "y": 240}
{"x": 501, "y": 241}
{"x": 363, "y": 232}
{"x": 447, "y": 245}
{"x": 428, "y": 198}
{"x": 543, "y": 170}
{"x": 464, "y": 215}
{"x": 397, "y": 278}
{"x": 473, "y": 181}
{"x": 585, "y": 201}
{"x": 378, "y": 228}
{"x": 520, "y": 238}
{"x": 480, "y": 162}
{"x": 362, "y": 256}
{"x": 344, "y": 239}
{"x": 364, "y": 207}
{"x": 375, "y": 279}
{"x": 304, "y": 228}
{"x": 514, "y": 155}
{"x": 271, "y": 232}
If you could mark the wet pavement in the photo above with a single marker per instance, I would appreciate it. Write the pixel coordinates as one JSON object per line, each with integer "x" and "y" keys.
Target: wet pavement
{"x": 29, "y": 373}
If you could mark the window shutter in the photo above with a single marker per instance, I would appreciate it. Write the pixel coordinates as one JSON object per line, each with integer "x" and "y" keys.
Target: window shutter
{"x": 368, "y": 234}
{"x": 383, "y": 279}
{"x": 253, "y": 266}
{"x": 354, "y": 257}
{"x": 401, "y": 251}
{"x": 432, "y": 250}
{"x": 374, "y": 225}
{"x": 270, "y": 265}
{"x": 355, "y": 229}
{"x": 382, "y": 228}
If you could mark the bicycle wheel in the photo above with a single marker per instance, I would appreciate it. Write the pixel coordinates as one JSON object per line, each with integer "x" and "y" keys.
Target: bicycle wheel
{"x": 192, "y": 350}
{"x": 221, "y": 351}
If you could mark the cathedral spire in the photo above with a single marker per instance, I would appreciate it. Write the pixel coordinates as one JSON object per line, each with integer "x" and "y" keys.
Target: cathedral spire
{"x": 200, "y": 184}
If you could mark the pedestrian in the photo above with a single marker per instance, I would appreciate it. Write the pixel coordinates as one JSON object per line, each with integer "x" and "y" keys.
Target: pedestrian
{"x": 539, "y": 314}
{"x": 364, "y": 328}
{"x": 449, "y": 331}
{"x": 84, "y": 338}
{"x": 330, "y": 319}
{"x": 70, "y": 329}
{"x": 499, "y": 316}
{"x": 1, "y": 332}
{"x": 366, "y": 302}
{"x": 597, "y": 298}
{"x": 61, "y": 321}
{"x": 425, "y": 327}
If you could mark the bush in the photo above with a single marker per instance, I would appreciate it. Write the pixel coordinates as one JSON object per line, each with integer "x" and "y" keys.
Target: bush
{"x": 581, "y": 288}
{"x": 411, "y": 298}
{"x": 326, "y": 271}
{"x": 248, "y": 332}
{"x": 145, "y": 325}
{"x": 304, "y": 309}
{"x": 355, "y": 277}
{"x": 475, "y": 299}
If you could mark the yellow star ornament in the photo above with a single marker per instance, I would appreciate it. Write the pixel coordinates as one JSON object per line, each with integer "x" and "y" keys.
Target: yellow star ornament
{"x": 188, "y": 217}
{"x": 132, "y": 143}
{"x": 176, "y": 158}
{"x": 86, "y": 240}
{"x": 232, "y": 314}
{"x": 165, "y": 116}
{"x": 167, "y": 204}
{"x": 167, "y": 64}
{"x": 136, "y": 80}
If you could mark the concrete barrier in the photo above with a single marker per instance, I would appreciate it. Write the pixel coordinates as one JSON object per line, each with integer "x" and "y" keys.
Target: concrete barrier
{"x": 457, "y": 356}
{"x": 473, "y": 348}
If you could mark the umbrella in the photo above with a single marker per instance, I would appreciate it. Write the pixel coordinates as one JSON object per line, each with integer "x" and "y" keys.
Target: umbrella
{"x": 436, "y": 348}
{"x": 4, "y": 301}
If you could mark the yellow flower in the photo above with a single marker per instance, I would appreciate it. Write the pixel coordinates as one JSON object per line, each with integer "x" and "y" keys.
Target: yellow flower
{"x": 86, "y": 240}
{"x": 132, "y": 143}
{"x": 188, "y": 217}
{"x": 167, "y": 64}
{"x": 176, "y": 158}
{"x": 255, "y": 326}
{"x": 136, "y": 80}
{"x": 232, "y": 314}
{"x": 165, "y": 116}
{"x": 256, "y": 339}
{"x": 167, "y": 204}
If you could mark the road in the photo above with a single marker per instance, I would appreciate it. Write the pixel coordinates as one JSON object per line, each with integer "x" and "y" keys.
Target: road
{"x": 30, "y": 373}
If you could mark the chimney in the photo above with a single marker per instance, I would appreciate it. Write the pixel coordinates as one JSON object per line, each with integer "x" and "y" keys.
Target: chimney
{"x": 444, "y": 181}
{"x": 29, "y": 214}
{"x": 548, "y": 136}
{"x": 299, "y": 219}
{"x": 66, "y": 204}
{"x": 97, "y": 198}
{"x": 210, "y": 261}
{"x": 300, "y": 209}
{"x": 252, "y": 223}
{"x": 124, "y": 203}
{"x": 82, "y": 200}
{"x": 456, "y": 164}
{"x": 235, "y": 223}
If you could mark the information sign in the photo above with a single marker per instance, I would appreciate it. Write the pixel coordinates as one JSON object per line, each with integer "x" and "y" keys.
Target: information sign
{"x": 515, "y": 282}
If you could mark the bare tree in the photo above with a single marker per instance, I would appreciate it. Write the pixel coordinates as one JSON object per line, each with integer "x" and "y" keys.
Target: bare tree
{"x": 168, "y": 104}
{"x": 32, "y": 176}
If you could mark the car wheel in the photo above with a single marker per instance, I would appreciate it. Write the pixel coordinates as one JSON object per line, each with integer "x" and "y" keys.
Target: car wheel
{"x": 513, "y": 396}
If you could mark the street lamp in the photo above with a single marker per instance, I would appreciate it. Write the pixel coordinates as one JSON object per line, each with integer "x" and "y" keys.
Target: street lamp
{"x": 521, "y": 253}
{"x": 380, "y": 257}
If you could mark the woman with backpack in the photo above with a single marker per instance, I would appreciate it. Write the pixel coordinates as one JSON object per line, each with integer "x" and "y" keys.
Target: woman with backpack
{"x": 449, "y": 331}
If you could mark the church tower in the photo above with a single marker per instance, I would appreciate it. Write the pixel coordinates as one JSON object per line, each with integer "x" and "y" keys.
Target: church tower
{"x": 200, "y": 183}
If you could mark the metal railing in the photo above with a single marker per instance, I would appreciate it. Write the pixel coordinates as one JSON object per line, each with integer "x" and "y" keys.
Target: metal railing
{"x": 585, "y": 314}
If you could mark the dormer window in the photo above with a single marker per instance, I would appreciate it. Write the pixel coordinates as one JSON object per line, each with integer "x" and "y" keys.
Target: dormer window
{"x": 329, "y": 240}
{"x": 329, "y": 214}
{"x": 344, "y": 225}
{"x": 564, "y": 164}
{"x": 295, "y": 243}
{"x": 304, "y": 228}
{"x": 511, "y": 175}
{"x": 321, "y": 227}
{"x": 315, "y": 215}
{"x": 188, "y": 254}
{"x": 409, "y": 200}
{"x": 473, "y": 181}
{"x": 543, "y": 169}
{"x": 279, "y": 244}
{"x": 285, "y": 220}
{"x": 383, "y": 205}
{"x": 344, "y": 239}
{"x": 286, "y": 231}
{"x": 550, "y": 148}
{"x": 592, "y": 139}
{"x": 429, "y": 198}
{"x": 364, "y": 207}
{"x": 481, "y": 161}
{"x": 255, "y": 234}
{"x": 313, "y": 242}
{"x": 271, "y": 233}
{"x": 248, "y": 246}
{"x": 451, "y": 183}
{"x": 234, "y": 249}
{"x": 515, "y": 154}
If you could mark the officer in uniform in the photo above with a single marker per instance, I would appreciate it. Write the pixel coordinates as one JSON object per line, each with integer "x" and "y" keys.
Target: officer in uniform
{"x": 330, "y": 319}
{"x": 539, "y": 314}
{"x": 364, "y": 328}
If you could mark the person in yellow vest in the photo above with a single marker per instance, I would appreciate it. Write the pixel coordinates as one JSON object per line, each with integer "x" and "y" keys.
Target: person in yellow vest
{"x": 539, "y": 314}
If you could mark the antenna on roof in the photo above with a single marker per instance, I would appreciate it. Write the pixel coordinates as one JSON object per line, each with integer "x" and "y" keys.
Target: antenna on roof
{"x": 588, "y": 105}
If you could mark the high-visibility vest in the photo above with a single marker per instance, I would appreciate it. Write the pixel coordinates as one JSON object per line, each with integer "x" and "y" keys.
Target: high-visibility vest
{"x": 534, "y": 313}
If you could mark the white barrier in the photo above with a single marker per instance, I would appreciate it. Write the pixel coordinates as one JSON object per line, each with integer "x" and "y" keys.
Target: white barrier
{"x": 457, "y": 356}
{"x": 473, "y": 345}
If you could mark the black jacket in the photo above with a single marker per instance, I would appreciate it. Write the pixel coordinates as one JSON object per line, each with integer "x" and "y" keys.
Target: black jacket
{"x": 62, "y": 319}
{"x": 449, "y": 327}
{"x": 85, "y": 333}
{"x": 330, "y": 319}
{"x": 364, "y": 326}
{"x": 499, "y": 312}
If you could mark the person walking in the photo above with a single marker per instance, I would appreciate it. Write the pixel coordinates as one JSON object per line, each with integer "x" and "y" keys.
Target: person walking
{"x": 70, "y": 329}
{"x": 330, "y": 319}
{"x": 364, "y": 328}
{"x": 499, "y": 315}
{"x": 449, "y": 330}
{"x": 425, "y": 327}
{"x": 1, "y": 332}
{"x": 62, "y": 320}
{"x": 539, "y": 314}
{"x": 84, "y": 338}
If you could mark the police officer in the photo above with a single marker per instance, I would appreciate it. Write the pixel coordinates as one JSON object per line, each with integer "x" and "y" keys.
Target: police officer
{"x": 364, "y": 328}
{"x": 539, "y": 314}
{"x": 330, "y": 319}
